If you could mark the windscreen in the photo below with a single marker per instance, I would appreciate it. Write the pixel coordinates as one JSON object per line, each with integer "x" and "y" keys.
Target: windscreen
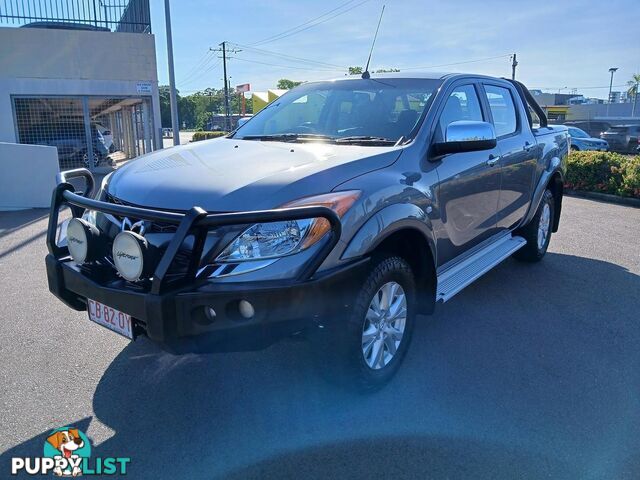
{"x": 387, "y": 110}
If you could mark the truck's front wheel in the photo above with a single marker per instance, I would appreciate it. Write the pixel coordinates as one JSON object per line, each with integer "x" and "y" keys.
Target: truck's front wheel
{"x": 374, "y": 341}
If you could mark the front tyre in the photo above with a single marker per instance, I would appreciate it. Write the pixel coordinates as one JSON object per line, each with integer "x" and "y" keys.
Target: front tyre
{"x": 537, "y": 232}
{"x": 368, "y": 350}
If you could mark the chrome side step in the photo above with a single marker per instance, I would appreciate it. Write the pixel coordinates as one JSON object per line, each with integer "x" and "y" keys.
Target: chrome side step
{"x": 455, "y": 278}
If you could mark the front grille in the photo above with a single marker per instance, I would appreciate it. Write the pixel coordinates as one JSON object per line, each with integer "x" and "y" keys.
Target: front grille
{"x": 155, "y": 227}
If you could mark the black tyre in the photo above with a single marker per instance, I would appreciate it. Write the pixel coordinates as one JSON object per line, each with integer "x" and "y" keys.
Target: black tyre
{"x": 366, "y": 350}
{"x": 537, "y": 232}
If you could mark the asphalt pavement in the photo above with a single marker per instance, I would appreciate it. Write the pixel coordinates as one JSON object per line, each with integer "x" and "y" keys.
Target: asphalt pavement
{"x": 531, "y": 372}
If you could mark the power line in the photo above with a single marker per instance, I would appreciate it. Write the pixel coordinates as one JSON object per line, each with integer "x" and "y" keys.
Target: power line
{"x": 266, "y": 40}
{"x": 202, "y": 73}
{"x": 287, "y": 57}
{"x": 200, "y": 70}
{"x": 310, "y": 24}
{"x": 199, "y": 63}
{"x": 287, "y": 66}
{"x": 456, "y": 63}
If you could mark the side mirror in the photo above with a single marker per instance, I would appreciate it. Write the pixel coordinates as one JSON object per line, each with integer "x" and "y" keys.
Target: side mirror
{"x": 466, "y": 136}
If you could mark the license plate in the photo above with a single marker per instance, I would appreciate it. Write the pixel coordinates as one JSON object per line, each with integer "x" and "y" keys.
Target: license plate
{"x": 111, "y": 318}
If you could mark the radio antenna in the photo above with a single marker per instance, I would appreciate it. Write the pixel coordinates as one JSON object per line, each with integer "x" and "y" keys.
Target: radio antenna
{"x": 366, "y": 75}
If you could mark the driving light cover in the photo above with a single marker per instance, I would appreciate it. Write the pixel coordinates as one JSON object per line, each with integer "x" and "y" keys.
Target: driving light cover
{"x": 278, "y": 239}
{"x": 78, "y": 240}
{"x": 128, "y": 255}
{"x": 83, "y": 241}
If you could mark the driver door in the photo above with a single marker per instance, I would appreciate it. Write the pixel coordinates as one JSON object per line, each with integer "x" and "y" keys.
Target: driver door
{"x": 469, "y": 182}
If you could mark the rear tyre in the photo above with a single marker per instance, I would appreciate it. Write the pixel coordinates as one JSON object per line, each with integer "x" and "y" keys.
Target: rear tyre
{"x": 537, "y": 232}
{"x": 365, "y": 352}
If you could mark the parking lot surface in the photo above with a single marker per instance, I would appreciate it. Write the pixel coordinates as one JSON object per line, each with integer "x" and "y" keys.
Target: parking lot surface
{"x": 531, "y": 372}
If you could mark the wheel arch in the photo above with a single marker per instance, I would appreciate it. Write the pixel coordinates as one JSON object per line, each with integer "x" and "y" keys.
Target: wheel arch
{"x": 404, "y": 230}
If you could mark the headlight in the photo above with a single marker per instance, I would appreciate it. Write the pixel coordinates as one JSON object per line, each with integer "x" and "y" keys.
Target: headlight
{"x": 278, "y": 239}
{"x": 128, "y": 255}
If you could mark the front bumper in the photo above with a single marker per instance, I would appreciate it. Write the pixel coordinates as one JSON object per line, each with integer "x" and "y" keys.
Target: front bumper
{"x": 171, "y": 311}
{"x": 177, "y": 322}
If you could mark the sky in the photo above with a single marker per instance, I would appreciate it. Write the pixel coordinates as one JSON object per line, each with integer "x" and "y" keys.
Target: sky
{"x": 560, "y": 45}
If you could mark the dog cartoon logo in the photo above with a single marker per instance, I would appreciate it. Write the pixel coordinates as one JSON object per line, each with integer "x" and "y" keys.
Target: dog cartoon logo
{"x": 68, "y": 446}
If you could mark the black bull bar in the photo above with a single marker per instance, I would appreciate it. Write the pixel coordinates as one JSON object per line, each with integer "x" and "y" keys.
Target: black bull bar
{"x": 196, "y": 222}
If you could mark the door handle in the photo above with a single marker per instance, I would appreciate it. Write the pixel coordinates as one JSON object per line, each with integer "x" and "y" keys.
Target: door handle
{"x": 492, "y": 160}
{"x": 527, "y": 146}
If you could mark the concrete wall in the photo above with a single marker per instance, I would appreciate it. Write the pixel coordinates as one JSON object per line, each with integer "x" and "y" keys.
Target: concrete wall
{"x": 38, "y": 61}
{"x": 28, "y": 175}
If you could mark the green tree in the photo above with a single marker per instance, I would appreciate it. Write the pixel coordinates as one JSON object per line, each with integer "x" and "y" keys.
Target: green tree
{"x": 355, "y": 70}
{"x": 286, "y": 84}
{"x": 387, "y": 70}
{"x": 633, "y": 86}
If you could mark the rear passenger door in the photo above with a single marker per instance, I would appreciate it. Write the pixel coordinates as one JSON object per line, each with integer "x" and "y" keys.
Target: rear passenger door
{"x": 518, "y": 152}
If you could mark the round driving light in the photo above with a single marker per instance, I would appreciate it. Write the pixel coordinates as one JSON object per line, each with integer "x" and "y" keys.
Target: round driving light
{"x": 82, "y": 240}
{"x": 128, "y": 255}
{"x": 246, "y": 309}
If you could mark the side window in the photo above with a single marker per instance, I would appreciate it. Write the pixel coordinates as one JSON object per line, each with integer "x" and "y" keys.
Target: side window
{"x": 502, "y": 109}
{"x": 462, "y": 104}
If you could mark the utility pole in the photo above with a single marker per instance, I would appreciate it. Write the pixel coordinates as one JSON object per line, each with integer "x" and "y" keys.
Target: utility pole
{"x": 514, "y": 64}
{"x": 635, "y": 100}
{"x": 175, "y": 125}
{"x": 612, "y": 70}
{"x": 226, "y": 87}
{"x": 227, "y": 122}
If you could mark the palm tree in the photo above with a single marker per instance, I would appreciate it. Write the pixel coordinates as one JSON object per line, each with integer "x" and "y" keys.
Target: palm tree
{"x": 632, "y": 92}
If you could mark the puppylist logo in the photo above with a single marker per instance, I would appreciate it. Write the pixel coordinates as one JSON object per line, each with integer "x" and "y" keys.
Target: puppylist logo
{"x": 67, "y": 453}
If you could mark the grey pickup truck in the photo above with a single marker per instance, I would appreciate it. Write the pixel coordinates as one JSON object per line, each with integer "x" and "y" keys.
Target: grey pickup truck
{"x": 341, "y": 212}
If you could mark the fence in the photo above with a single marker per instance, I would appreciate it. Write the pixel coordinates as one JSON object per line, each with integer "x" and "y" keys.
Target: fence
{"x": 88, "y": 131}
{"x": 101, "y": 15}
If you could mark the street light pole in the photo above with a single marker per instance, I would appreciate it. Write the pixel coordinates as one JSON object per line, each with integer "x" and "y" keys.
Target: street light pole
{"x": 175, "y": 124}
{"x": 635, "y": 100}
{"x": 612, "y": 70}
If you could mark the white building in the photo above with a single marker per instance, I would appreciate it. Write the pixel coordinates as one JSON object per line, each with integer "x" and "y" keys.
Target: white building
{"x": 80, "y": 81}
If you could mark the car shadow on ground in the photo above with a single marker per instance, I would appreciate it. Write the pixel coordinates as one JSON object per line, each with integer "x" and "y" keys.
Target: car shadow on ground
{"x": 500, "y": 383}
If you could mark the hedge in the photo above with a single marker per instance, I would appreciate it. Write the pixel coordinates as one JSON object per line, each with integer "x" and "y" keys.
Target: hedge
{"x": 604, "y": 172}
{"x": 197, "y": 136}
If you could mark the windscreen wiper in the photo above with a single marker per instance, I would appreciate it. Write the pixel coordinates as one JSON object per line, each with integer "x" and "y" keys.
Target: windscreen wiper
{"x": 288, "y": 137}
{"x": 366, "y": 139}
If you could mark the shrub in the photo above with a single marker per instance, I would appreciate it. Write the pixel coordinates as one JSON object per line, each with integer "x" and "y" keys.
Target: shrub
{"x": 197, "y": 136}
{"x": 605, "y": 172}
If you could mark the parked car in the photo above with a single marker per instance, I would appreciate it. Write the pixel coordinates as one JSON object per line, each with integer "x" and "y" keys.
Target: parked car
{"x": 623, "y": 138}
{"x": 70, "y": 139}
{"x": 580, "y": 140}
{"x": 106, "y": 137}
{"x": 593, "y": 127}
{"x": 341, "y": 212}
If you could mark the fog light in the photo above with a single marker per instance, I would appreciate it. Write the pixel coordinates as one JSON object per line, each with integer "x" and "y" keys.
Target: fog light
{"x": 83, "y": 240}
{"x": 210, "y": 313}
{"x": 246, "y": 309}
{"x": 128, "y": 255}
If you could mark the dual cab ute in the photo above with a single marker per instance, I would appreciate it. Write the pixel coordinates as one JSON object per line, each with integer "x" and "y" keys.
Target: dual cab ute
{"x": 342, "y": 211}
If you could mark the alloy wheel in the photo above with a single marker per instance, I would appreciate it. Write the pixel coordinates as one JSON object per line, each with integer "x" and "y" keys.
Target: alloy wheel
{"x": 384, "y": 325}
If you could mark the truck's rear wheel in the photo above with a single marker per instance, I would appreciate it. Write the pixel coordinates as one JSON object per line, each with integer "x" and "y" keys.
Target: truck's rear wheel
{"x": 537, "y": 232}
{"x": 368, "y": 350}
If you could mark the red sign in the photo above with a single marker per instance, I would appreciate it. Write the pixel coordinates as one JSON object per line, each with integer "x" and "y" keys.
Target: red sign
{"x": 245, "y": 87}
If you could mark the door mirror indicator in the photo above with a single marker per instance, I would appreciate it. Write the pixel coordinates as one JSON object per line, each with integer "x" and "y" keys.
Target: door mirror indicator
{"x": 466, "y": 136}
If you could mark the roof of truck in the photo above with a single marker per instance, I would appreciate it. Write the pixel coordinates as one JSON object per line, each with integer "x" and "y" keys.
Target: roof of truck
{"x": 417, "y": 74}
